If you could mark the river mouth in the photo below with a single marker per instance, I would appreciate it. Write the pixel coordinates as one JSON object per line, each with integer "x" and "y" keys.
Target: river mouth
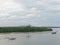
{"x": 31, "y": 38}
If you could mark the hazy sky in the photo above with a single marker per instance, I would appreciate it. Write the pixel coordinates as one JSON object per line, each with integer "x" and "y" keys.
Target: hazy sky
{"x": 34, "y": 12}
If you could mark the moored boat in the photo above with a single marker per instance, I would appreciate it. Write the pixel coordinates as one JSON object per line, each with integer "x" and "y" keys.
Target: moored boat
{"x": 53, "y": 32}
{"x": 11, "y": 38}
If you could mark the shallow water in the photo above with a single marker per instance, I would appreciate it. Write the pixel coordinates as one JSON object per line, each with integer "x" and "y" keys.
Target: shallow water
{"x": 31, "y": 38}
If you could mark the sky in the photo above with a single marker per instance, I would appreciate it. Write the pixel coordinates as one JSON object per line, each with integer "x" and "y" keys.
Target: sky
{"x": 29, "y": 12}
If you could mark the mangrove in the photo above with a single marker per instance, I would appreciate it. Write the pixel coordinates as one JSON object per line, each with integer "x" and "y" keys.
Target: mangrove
{"x": 23, "y": 29}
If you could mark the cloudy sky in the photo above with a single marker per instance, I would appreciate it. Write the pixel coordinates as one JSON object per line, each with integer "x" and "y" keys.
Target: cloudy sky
{"x": 33, "y": 12}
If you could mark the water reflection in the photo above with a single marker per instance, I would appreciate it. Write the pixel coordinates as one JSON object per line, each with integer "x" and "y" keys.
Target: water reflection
{"x": 35, "y": 38}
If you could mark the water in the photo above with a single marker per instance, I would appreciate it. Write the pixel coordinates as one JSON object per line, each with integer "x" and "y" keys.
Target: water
{"x": 35, "y": 38}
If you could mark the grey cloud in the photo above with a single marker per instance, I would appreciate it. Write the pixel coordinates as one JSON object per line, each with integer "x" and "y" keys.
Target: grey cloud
{"x": 42, "y": 15}
{"x": 54, "y": 3}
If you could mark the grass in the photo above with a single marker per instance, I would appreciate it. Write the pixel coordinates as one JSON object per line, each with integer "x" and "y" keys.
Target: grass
{"x": 23, "y": 29}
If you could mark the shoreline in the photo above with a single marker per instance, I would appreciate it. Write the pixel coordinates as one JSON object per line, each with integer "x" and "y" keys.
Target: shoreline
{"x": 24, "y": 32}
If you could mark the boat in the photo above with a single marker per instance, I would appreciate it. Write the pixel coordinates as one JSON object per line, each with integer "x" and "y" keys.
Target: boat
{"x": 53, "y": 32}
{"x": 11, "y": 38}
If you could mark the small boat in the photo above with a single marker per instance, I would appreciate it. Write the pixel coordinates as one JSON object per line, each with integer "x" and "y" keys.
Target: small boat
{"x": 12, "y": 38}
{"x": 53, "y": 32}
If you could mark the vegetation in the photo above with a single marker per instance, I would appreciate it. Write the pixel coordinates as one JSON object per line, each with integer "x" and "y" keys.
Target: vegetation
{"x": 23, "y": 29}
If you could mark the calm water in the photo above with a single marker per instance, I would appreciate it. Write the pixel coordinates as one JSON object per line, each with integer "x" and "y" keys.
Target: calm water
{"x": 36, "y": 38}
